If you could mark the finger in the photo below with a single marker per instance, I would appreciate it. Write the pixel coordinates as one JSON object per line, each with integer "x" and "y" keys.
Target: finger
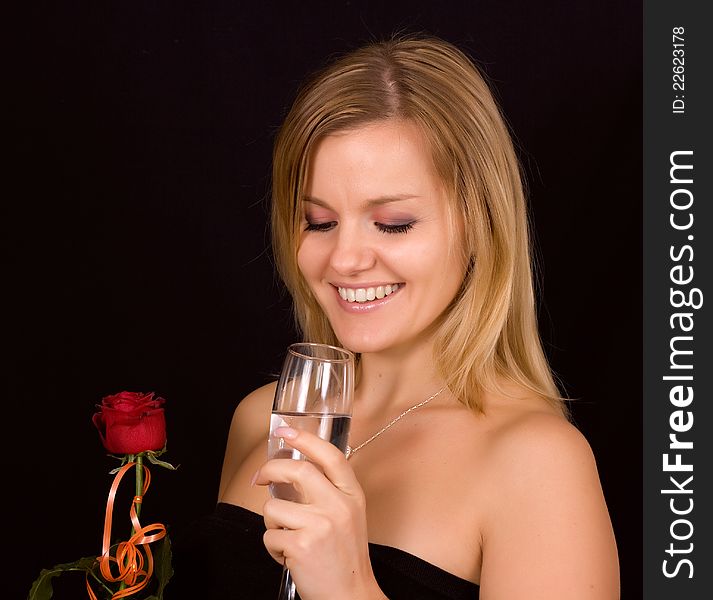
{"x": 308, "y": 481}
{"x": 286, "y": 546}
{"x": 281, "y": 514}
{"x": 276, "y": 540}
{"x": 322, "y": 453}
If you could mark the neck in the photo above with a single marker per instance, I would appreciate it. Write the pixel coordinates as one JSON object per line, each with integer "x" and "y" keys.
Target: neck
{"x": 396, "y": 379}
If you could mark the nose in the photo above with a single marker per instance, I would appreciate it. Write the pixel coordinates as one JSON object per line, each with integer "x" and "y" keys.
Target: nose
{"x": 351, "y": 253}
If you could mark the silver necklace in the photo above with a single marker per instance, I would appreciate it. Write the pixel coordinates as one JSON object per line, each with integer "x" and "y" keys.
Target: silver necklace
{"x": 352, "y": 451}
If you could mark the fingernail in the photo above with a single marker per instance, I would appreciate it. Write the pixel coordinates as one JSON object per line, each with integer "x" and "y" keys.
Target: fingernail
{"x": 253, "y": 479}
{"x": 286, "y": 432}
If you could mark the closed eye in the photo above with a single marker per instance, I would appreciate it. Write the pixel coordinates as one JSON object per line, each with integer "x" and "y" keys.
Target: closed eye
{"x": 401, "y": 228}
{"x": 384, "y": 228}
{"x": 320, "y": 226}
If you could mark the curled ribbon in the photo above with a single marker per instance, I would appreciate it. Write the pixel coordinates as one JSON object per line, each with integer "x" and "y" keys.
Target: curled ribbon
{"x": 129, "y": 556}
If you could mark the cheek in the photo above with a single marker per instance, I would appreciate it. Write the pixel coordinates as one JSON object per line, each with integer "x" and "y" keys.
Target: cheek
{"x": 303, "y": 262}
{"x": 443, "y": 270}
{"x": 309, "y": 260}
{"x": 428, "y": 257}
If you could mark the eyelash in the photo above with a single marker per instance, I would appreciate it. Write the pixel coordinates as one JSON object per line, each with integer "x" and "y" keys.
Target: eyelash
{"x": 401, "y": 228}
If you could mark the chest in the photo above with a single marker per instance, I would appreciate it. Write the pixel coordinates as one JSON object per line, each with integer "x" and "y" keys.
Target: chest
{"x": 421, "y": 494}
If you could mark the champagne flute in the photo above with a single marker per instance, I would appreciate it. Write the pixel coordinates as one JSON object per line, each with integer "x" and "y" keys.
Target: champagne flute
{"x": 315, "y": 393}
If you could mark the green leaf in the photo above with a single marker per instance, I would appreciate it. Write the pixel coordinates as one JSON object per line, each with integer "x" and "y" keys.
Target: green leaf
{"x": 163, "y": 570}
{"x": 166, "y": 465}
{"x": 42, "y": 586}
{"x": 161, "y": 451}
{"x": 124, "y": 459}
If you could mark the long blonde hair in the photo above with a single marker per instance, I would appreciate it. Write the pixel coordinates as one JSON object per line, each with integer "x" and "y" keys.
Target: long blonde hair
{"x": 489, "y": 332}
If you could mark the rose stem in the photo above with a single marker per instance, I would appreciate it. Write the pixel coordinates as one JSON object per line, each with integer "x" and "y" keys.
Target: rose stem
{"x": 139, "y": 466}
{"x": 139, "y": 484}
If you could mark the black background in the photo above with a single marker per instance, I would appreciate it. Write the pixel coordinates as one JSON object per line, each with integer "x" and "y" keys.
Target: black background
{"x": 136, "y": 229}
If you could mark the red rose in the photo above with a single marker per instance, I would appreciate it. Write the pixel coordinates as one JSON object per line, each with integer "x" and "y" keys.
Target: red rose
{"x": 131, "y": 422}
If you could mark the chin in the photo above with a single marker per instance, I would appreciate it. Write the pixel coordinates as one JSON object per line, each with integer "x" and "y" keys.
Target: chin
{"x": 366, "y": 343}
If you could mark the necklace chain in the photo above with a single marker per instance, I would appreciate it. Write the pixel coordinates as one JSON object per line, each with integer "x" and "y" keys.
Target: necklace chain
{"x": 352, "y": 451}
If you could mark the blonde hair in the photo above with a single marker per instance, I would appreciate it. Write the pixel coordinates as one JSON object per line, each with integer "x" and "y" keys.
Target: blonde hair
{"x": 489, "y": 332}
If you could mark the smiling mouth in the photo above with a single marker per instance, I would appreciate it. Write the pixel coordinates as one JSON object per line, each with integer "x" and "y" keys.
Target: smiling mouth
{"x": 361, "y": 295}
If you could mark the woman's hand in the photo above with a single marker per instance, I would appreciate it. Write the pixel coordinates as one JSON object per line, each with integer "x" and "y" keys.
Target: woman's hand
{"x": 323, "y": 540}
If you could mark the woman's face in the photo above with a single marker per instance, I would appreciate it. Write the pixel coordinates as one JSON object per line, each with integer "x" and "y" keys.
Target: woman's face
{"x": 376, "y": 248}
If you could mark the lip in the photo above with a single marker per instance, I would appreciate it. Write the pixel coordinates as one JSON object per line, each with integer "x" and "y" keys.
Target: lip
{"x": 364, "y": 307}
{"x": 365, "y": 284}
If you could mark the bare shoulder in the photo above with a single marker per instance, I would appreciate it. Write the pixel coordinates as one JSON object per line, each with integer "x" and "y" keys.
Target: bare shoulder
{"x": 547, "y": 533}
{"x": 525, "y": 431}
{"x": 542, "y": 440}
{"x": 248, "y": 428}
{"x": 255, "y": 405}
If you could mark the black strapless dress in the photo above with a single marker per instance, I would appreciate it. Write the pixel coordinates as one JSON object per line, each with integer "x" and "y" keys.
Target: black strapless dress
{"x": 221, "y": 557}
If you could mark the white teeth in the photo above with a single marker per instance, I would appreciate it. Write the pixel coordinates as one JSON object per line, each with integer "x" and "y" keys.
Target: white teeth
{"x": 367, "y": 294}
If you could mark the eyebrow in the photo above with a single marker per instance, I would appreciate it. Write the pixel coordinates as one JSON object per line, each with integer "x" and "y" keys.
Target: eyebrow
{"x": 381, "y": 200}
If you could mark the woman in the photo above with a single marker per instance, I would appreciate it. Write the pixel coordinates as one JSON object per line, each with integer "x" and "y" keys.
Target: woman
{"x": 400, "y": 229}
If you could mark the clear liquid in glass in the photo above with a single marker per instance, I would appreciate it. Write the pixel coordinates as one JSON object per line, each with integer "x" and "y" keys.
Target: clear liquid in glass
{"x": 333, "y": 428}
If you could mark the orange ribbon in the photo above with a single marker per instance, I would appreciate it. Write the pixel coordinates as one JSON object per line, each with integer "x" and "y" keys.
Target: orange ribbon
{"x": 129, "y": 556}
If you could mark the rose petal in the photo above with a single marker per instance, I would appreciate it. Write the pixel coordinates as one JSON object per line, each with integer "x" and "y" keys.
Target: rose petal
{"x": 131, "y": 422}
{"x": 131, "y": 434}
